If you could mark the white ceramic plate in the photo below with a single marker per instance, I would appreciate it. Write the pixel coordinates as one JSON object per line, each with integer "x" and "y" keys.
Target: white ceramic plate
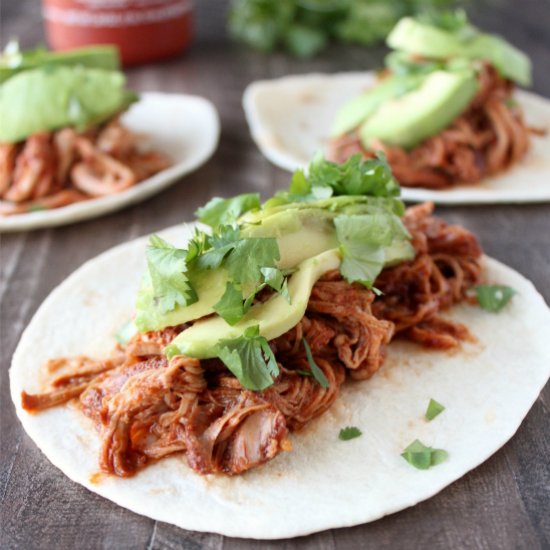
{"x": 184, "y": 127}
{"x": 487, "y": 388}
{"x": 290, "y": 120}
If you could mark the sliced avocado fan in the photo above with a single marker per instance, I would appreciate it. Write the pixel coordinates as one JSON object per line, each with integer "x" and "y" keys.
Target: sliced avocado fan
{"x": 428, "y": 40}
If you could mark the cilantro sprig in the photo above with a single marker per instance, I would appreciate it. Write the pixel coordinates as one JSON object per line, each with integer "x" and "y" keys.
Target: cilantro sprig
{"x": 250, "y": 359}
{"x": 167, "y": 270}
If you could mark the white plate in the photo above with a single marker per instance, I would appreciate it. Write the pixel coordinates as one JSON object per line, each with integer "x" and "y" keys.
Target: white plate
{"x": 290, "y": 120}
{"x": 487, "y": 388}
{"x": 184, "y": 127}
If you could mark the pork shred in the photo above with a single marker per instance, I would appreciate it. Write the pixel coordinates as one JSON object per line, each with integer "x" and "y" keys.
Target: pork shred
{"x": 488, "y": 138}
{"x": 146, "y": 407}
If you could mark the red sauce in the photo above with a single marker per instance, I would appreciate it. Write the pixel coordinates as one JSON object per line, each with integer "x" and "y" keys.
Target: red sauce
{"x": 143, "y": 30}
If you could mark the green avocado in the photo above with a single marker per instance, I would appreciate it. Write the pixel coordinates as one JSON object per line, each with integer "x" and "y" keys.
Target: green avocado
{"x": 408, "y": 120}
{"x": 302, "y": 230}
{"x": 353, "y": 113}
{"x": 422, "y": 39}
{"x": 98, "y": 57}
{"x": 274, "y": 317}
{"x": 53, "y": 97}
{"x": 299, "y": 236}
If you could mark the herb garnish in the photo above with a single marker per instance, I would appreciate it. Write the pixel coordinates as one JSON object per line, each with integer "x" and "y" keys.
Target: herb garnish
{"x": 434, "y": 408}
{"x": 317, "y": 373}
{"x": 220, "y": 211}
{"x": 493, "y": 297}
{"x": 422, "y": 457}
{"x": 250, "y": 359}
{"x": 167, "y": 266}
{"x": 349, "y": 432}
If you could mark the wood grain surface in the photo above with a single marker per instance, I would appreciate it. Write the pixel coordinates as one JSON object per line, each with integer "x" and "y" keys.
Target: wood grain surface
{"x": 505, "y": 503}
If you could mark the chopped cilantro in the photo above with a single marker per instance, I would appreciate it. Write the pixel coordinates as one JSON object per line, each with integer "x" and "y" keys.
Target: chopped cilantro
{"x": 356, "y": 176}
{"x": 493, "y": 297}
{"x": 362, "y": 240}
{"x": 422, "y": 457}
{"x": 220, "y": 211}
{"x": 434, "y": 408}
{"x": 248, "y": 256}
{"x": 167, "y": 270}
{"x": 250, "y": 359}
{"x": 231, "y": 306}
{"x": 349, "y": 432}
{"x": 317, "y": 373}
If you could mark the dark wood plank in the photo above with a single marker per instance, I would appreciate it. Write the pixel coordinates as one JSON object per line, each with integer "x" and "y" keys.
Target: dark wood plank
{"x": 504, "y": 503}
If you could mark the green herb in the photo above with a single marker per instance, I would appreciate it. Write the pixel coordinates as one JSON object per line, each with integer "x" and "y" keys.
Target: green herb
{"x": 167, "y": 270}
{"x": 317, "y": 373}
{"x": 220, "y": 211}
{"x": 250, "y": 359}
{"x": 356, "y": 176}
{"x": 349, "y": 432}
{"x": 125, "y": 332}
{"x": 434, "y": 408}
{"x": 231, "y": 306}
{"x": 422, "y": 457}
{"x": 493, "y": 297}
{"x": 304, "y": 372}
{"x": 306, "y": 27}
{"x": 362, "y": 241}
{"x": 245, "y": 261}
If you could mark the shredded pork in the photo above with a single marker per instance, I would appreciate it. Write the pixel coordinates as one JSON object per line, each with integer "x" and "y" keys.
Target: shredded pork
{"x": 146, "y": 407}
{"x": 54, "y": 169}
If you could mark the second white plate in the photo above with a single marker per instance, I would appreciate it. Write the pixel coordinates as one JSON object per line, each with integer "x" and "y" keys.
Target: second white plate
{"x": 184, "y": 127}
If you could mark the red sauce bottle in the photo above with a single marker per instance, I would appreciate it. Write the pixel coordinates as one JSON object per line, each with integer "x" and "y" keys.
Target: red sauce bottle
{"x": 143, "y": 30}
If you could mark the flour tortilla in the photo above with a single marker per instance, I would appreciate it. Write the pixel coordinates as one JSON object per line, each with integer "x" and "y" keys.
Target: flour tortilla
{"x": 487, "y": 388}
{"x": 290, "y": 120}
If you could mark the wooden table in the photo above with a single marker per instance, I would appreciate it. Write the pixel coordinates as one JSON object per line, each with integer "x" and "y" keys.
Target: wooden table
{"x": 505, "y": 503}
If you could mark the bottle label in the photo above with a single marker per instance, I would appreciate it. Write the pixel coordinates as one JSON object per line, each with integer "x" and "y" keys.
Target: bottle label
{"x": 114, "y": 13}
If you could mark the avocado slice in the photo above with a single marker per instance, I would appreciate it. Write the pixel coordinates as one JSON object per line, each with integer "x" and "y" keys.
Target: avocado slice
{"x": 408, "y": 120}
{"x": 353, "y": 113}
{"x": 49, "y": 98}
{"x": 418, "y": 38}
{"x": 98, "y": 57}
{"x": 274, "y": 317}
{"x": 299, "y": 236}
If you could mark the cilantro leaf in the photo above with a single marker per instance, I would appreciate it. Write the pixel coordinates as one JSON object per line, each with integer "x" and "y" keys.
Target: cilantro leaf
{"x": 249, "y": 256}
{"x": 250, "y": 359}
{"x": 362, "y": 240}
{"x": 317, "y": 373}
{"x": 493, "y": 297}
{"x": 422, "y": 457}
{"x": 349, "y": 432}
{"x": 220, "y": 211}
{"x": 223, "y": 241}
{"x": 434, "y": 408}
{"x": 167, "y": 270}
{"x": 356, "y": 176}
{"x": 231, "y": 306}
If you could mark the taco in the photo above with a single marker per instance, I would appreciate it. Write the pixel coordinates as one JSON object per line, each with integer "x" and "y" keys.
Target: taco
{"x": 315, "y": 361}
{"x": 444, "y": 110}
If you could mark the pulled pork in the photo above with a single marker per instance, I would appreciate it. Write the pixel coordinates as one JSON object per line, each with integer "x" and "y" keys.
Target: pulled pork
{"x": 487, "y": 138}
{"x": 53, "y": 169}
{"x": 146, "y": 407}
